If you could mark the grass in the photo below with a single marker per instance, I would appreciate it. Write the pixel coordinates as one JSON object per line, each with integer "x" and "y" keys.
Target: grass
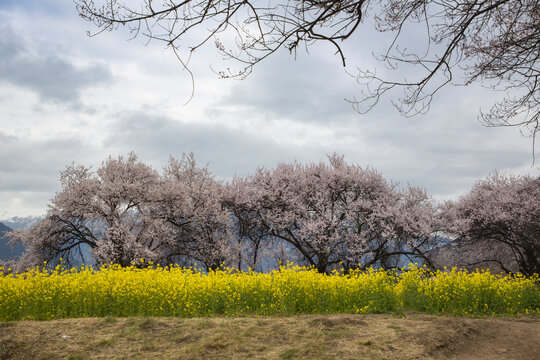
{"x": 109, "y": 320}
{"x": 369, "y": 337}
{"x": 289, "y": 354}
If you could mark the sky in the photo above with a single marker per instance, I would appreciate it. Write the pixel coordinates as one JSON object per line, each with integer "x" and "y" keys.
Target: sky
{"x": 69, "y": 98}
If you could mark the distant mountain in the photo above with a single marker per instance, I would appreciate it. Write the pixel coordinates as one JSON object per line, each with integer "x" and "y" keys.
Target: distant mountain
{"x": 8, "y": 251}
{"x": 24, "y": 223}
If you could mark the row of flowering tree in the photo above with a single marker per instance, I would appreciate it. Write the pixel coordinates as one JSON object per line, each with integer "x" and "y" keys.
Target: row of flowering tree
{"x": 333, "y": 214}
{"x": 328, "y": 215}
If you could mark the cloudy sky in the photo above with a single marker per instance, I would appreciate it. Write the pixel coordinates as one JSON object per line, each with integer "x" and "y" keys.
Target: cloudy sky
{"x": 66, "y": 97}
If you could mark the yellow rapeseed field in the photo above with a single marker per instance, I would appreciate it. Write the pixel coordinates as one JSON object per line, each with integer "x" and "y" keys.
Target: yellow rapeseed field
{"x": 174, "y": 291}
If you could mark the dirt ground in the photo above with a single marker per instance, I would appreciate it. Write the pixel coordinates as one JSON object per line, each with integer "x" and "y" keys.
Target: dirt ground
{"x": 413, "y": 336}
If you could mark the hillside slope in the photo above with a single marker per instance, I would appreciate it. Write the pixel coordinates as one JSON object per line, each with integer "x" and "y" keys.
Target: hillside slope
{"x": 291, "y": 337}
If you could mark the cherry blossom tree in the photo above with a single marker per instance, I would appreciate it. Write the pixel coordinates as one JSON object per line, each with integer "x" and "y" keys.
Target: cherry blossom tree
{"x": 189, "y": 201}
{"x": 126, "y": 211}
{"x": 503, "y": 213}
{"x": 414, "y": 226}
{"x": 337, "y": 213}
{"x": 254, "y": 241}
{"x": 108, "y": 211}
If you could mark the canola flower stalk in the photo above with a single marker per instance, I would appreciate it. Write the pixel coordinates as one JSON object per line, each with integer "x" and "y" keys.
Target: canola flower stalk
{"x": 155, "y": 290}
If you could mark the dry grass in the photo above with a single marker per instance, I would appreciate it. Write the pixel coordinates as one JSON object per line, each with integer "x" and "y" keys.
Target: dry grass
{"x": 414, "y": 336}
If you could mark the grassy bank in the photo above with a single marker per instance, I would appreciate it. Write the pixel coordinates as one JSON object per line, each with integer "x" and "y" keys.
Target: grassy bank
{"x": 366, "y": 337}
{"x": 172, "y": 291}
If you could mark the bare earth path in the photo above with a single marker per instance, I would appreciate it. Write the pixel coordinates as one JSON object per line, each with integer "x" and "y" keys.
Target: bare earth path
{"x": 415, "y": 336}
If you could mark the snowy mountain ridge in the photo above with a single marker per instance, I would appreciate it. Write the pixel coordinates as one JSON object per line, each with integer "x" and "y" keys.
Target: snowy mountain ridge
{"x": 24, "y": 223}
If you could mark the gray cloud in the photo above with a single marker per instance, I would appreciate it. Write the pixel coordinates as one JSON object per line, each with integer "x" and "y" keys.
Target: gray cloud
{"x": 445, "y": 159}
{"x": 30, "y": 170}
{"x": 34, "y": 164}
{"x": 309, "y": 89}
{"x": 404, "y": 152}
{"x": 444, "y": 151}
{"x": 48, "y": 74}
{"x": 227, "y": 151}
